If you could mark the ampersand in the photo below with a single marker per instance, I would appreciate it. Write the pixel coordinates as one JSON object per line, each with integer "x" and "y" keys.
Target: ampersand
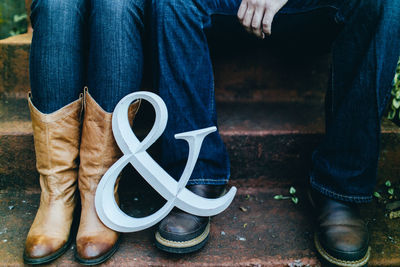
{"x": 134, "y": 152}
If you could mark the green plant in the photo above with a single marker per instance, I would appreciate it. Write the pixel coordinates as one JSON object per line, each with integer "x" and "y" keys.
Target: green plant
{"x": 13, "y": 18}
{"x": 389, "y": 186}
{"x": 292, "y": 192}
{"x": 394, "y": 110}
{"x": 20, "y": 24}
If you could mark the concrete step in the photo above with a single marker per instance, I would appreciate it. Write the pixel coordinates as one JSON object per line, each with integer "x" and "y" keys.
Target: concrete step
{"x": 256, "y": 230}
{"x": 263, "y": 140}
{"x": 257, "y": 74}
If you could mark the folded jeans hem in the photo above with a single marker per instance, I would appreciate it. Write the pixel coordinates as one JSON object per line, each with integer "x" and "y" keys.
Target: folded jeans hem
{"x": 338, "y": 196}
{"x": 210, "y": 181}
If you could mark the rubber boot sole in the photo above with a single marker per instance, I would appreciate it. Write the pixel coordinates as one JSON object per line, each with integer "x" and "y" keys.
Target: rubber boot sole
{"x": 338, "y": 262}
{"x": 182, "y": 247}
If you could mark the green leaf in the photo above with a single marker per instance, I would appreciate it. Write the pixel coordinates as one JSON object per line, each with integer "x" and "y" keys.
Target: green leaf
{"x": 395, "y": 103}
{"x": 377, "y": 195}
{"x": 292, "y": 190}
{"x": 391, "y": 114}
{"x": 397, "y": 94}
{"x": 388, "y": 183}
{"x": 295, "y": 200}
{"x": 391, "y": 191}
{"x": 278, "y": 197}
{"x": 18, "y": 18}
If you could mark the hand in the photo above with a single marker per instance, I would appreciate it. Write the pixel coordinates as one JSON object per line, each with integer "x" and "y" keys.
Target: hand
{"x": 257, "y": 15}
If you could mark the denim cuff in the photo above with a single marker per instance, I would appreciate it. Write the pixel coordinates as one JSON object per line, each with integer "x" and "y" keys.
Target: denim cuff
{"x": 327, "y": 191}
{"x": 210, "y": 181}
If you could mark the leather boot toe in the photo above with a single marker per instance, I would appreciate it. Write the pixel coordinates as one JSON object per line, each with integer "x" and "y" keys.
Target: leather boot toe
{"x": 181, "y": 226}
{"x": 89, "y": 248}
{"x": 344, "y": 242}
{"x": 42, "y": 246}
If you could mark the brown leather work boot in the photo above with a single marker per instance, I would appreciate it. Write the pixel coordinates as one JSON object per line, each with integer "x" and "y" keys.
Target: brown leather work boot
{"x": 95, "y": 243}
{"x": 341, "y": 237}
{"x": 181, "y": 232}
{"x": 56, "y": 137}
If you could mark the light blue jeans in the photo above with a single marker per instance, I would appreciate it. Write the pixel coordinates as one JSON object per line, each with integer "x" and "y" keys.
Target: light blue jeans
{"x": 75, "y": 43}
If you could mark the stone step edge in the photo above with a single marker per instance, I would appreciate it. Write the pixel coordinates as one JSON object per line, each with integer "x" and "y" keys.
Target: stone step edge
{"x": 149, "y": 256}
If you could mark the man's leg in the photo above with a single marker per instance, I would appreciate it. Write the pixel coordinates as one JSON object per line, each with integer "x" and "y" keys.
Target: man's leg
{"x": 185, "y": 82}
{"x": 189, "y": 44}
{"x": 345, "y": 164}
{"x": 365, "y": 55}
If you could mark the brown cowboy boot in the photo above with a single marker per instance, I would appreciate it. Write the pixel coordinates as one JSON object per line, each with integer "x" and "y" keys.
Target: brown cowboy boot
{"x": 56, "y": 137}
{"x": 95, "y": 243}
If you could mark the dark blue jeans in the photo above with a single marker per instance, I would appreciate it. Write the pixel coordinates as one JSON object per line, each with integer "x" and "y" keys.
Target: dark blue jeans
{"x": 97, "y": 43}
{"x": 365, "y": 53}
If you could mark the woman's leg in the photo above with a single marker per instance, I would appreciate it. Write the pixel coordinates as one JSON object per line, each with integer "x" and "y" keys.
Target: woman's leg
{"x": 57, "y": 74}
{"x": 114, "y": 70}
{"x": 116, "y": 50}
{"x": 58, "y": 51}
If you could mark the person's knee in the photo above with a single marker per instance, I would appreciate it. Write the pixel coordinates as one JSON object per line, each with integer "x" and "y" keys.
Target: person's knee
{"x": 57, "y": 11}
{"x": 120, "y": 10}
{"x": 165, "y": 9}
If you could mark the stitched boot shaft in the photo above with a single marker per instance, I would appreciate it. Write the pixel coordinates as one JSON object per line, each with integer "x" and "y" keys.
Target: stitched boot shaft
{"x": 95, "y": 242}
{"x": 56, "y": 138}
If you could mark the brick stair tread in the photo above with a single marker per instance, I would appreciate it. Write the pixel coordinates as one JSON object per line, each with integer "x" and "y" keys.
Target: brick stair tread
{"x": 21, "y": 39}
{"x": 255, "y": 75}
{"x": 268, "y": 233}
{"x": 262, "y": 139}
{"x": 257, "y": 119}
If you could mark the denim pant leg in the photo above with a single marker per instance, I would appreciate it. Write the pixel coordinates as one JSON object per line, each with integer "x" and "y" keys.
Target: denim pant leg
{"x": 184, "y": 79}
{"x": 364, "y": 61}
{"x": 116, "y": 53}
{"x": 57, "y": 56}
{"x": 62, "y": 62}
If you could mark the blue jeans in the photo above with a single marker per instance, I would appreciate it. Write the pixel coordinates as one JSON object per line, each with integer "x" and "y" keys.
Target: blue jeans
{"x": 365, "y": 53}
{"x": 97, "y": 43}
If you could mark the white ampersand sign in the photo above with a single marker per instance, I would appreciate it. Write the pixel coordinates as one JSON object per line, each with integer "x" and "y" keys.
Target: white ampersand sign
{"x": 134, "y": 152}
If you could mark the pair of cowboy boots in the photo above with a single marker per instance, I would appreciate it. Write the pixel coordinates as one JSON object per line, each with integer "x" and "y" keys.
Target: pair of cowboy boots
{"x": 60, "y": 138}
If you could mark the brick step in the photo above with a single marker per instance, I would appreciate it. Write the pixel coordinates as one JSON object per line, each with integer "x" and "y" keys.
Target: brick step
{"x": 263, "y": 139}
{"x": 255, "y": 230}
{"x": 254, "y": 75}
